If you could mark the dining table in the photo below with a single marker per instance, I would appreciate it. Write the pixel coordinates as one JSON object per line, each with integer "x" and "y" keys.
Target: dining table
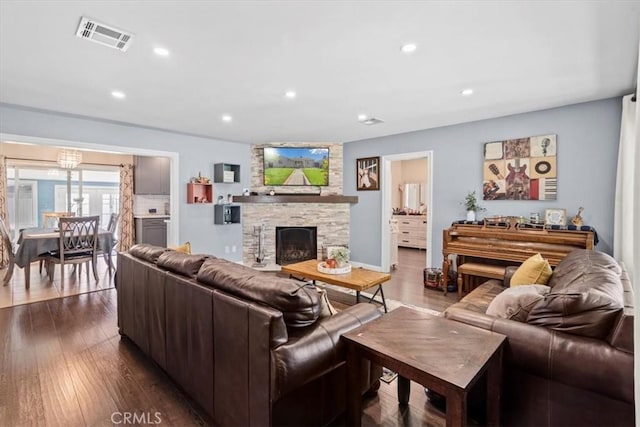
{"x": 33, "y": 243}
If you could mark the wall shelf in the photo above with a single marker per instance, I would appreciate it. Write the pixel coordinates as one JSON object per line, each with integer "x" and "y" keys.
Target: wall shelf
{"x": 226, "y": 173}
{"x": 226, "y": 214}
{"x": 199, "y": 193}
{"x": 295, "y": 198}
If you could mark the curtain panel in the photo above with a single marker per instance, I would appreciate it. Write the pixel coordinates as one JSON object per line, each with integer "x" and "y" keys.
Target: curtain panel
{"x": 126, "y": 236}
{"x": 626, "y": 227}
{"x": 4, "y": 211}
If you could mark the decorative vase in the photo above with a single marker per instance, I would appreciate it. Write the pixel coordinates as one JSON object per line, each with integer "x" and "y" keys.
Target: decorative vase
{"x": 471, "y": 215}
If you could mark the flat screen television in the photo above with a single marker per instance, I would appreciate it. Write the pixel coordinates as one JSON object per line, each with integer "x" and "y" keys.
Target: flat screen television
{"x": 295, "y": 166}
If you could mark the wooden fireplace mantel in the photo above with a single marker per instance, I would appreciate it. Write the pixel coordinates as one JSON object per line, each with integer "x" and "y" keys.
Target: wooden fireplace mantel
{"x": 295, "y": 198}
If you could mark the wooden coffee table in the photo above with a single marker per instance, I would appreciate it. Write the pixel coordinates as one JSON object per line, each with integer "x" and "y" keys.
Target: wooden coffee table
{"x": 359, "y": 279}
{"x": 445, "y": 356}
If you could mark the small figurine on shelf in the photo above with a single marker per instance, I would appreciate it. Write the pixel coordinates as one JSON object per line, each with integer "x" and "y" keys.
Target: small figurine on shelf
{"x": 245, "y": 192}
{"x": 577, "y": 220}
{"x": 220, "y": 200}
{"x": 203, "y": 179}
{"x": 229, "y": 198}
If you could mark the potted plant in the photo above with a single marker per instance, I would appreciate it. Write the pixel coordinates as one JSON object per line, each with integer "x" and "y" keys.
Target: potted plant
{"x": 471, "y": 204}
{"x": 341, "y": 255}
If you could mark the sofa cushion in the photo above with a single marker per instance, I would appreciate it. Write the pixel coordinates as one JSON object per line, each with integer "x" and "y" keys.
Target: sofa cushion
{"x": 298, "y": 301}
{"x": 181, "y": 263}
{"x": 515, "y": 303}
{"x": 326, "y": 308}
{"x": 479, "y": 299}
{"x": 534, "y": 270}
{"x": 149, "y": 253}
{"x": 586, "y": 296}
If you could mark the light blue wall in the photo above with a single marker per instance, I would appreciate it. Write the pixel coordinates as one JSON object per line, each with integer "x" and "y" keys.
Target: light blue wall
{"x": 195, "y": 154}
{"x": 588, "y": 137}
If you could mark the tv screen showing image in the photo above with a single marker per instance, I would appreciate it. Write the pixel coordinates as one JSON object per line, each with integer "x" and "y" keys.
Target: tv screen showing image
{"x": 284, "y": 166}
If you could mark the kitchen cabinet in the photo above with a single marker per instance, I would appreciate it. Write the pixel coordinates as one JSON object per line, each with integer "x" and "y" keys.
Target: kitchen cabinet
{"x": 412, "y": 231}
{"x": 151, "y": 175}
{"x": 152, "y": 231}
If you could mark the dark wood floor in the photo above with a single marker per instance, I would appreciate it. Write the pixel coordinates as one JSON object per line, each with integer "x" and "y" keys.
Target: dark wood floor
{"x": 406, "y": 284}
{"x": 62, "y": 362}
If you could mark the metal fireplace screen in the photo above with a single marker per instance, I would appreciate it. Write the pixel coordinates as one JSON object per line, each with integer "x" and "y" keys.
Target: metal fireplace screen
{"x": 295, "y": 244}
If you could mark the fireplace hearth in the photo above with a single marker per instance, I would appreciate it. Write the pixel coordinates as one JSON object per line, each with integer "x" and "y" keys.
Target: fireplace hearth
{"x": 295, "y": 244}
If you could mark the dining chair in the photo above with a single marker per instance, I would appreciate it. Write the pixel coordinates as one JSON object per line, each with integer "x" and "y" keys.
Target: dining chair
{"x": 6, "y": 242}
{"x": 78, "y": 244}
{"x": 47, "y": 218}
{"x": 111, "y": 228}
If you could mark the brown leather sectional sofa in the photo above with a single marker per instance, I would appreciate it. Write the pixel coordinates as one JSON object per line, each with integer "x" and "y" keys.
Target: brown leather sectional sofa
{"x": 571, "y": 362}
{"x": 250, "y": 348}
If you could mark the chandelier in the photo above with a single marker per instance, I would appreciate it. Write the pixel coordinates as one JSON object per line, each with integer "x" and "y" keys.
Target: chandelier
{"x": 69, "y": 159}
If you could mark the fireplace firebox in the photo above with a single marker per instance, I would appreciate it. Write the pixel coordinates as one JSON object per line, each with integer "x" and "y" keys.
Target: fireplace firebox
{"x": 295, "y": 244}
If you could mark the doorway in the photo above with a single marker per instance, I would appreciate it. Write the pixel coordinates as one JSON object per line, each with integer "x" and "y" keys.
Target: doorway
{"x": 408, "y": 193}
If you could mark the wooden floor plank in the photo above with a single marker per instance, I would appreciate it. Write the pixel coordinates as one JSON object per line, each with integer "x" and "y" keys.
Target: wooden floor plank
{"x": 60, "y": 402}
{"x": 22, "y": 390}
{"x": 95, "y": 401}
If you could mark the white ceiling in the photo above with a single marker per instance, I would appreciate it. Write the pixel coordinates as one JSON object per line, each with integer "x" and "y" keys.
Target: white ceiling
{"x": 341, "y": 57}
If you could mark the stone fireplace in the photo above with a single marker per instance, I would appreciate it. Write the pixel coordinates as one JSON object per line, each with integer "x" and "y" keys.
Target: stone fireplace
{"x": 295, "y": 207}
{"x": 295, "y": 244}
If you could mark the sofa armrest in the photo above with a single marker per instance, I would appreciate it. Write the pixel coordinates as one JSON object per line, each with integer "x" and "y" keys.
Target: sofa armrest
{"x": 508, "y": 273}
{"x": 583, "y": 362}
{"x": 313, "y": 351}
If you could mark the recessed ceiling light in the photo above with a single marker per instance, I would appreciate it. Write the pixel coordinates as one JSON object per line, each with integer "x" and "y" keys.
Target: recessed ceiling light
{"x": 290, "y": 94}
{"x": 226, "y": 118}
{"x": 409, "y": 48}
{"x": 372, "y": 121}
{"x": 466, "y": 92}
{"x": 362, "y": 117}
{"x": 117, "y": 94}
{"x": 161, "y": 51}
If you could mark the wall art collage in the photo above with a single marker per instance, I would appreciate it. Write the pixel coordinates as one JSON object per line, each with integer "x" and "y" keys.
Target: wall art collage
{"x": 521, "y": 169}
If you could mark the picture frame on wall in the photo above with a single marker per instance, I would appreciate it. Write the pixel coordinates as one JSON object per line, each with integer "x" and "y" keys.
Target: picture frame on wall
{"x": 368, "y": 174}
{"x": 555, "y": 217}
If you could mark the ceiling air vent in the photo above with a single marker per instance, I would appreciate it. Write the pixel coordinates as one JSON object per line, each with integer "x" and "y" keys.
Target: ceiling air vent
{"x": 371, "y": 121}
{"x": 97, "y": 32}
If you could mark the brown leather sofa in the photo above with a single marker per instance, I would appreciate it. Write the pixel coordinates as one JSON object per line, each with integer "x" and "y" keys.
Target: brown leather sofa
{"x": 249, "y": 347}
{"x": 570, "y": 363}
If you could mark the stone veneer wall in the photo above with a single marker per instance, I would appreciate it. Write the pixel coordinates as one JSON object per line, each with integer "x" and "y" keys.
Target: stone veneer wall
{"x": 335, "y": 169}
{"x": 332, "y": 219}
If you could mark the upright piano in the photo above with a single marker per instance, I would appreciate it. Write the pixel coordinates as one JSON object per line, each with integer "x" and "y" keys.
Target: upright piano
{"x": 510, "y": 243}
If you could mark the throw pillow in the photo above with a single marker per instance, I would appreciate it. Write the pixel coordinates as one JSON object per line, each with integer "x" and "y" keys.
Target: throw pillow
{"x": 534, "y": 270}
{"x": 516, "y": 303}
{"x": 184, "y": 249}
{"x": 326, "y": 309}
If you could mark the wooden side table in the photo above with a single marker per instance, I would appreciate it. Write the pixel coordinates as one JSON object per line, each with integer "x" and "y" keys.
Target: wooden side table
{"x": 445, "y": 356}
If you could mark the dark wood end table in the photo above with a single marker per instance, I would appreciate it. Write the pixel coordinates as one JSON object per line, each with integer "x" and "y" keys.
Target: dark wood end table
{"x": 445, "y": 356}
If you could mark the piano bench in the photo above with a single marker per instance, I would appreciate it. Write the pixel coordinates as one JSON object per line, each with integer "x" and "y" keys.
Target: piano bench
{"x": 476, "y": 269}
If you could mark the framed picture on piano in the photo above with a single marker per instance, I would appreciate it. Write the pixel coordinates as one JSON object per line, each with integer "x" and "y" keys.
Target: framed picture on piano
{"x": 555, "y": 217}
